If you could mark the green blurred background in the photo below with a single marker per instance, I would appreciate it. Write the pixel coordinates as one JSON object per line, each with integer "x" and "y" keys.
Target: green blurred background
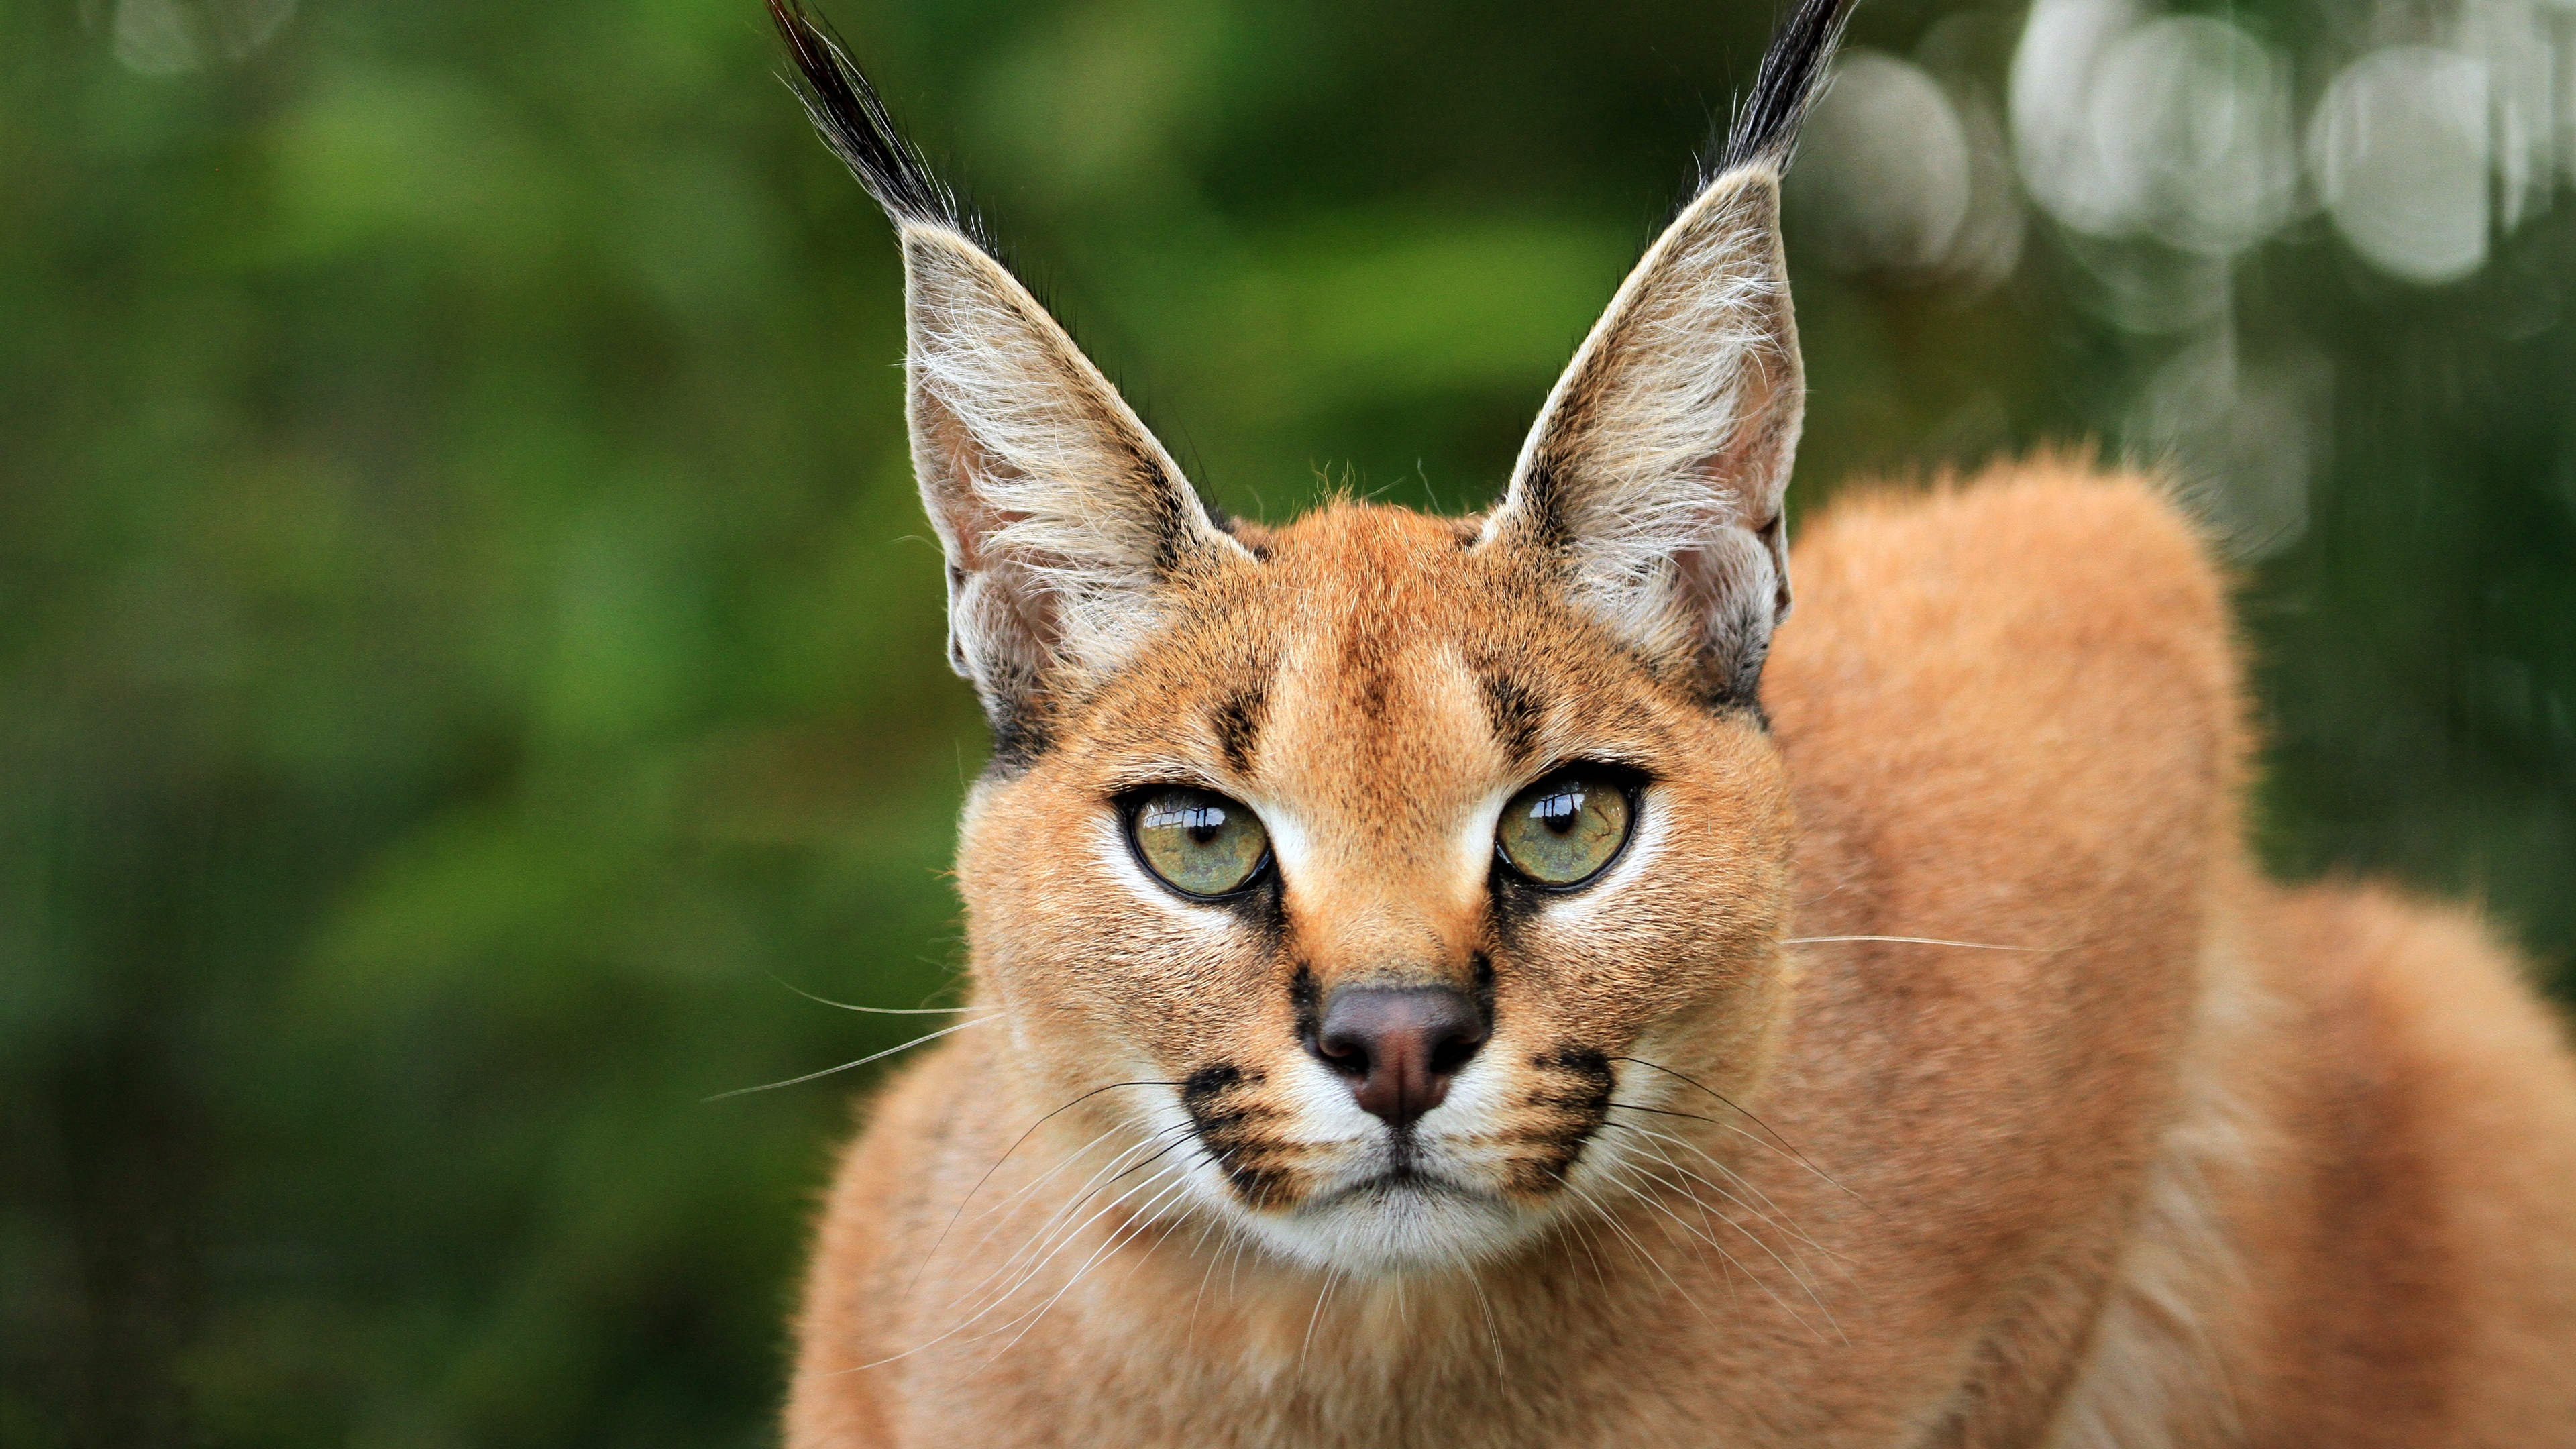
{"x": 468, "y": 645}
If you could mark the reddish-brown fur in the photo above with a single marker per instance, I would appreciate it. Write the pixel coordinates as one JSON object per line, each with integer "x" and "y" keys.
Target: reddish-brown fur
{"x": 2168, "y": 1155}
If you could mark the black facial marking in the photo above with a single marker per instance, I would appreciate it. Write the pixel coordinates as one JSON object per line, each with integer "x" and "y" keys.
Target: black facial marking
{"x": 1484, "y": 991}
{"x": 1590, "y": 1067}
{"x": 1238, "y": 727}
{"x": 1515, "y": 714}
{"x": 1574, "y": 1092}
{"x": 1022, "y": 732}
{"x": 1264, "y": 908}
{"x": 1232, "y": 1127}
{"x": 1202, "y": 1086}
{"x": 1303, "y": 1000}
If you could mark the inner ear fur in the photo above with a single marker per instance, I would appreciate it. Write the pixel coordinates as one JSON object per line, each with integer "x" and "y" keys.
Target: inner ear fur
{"x": 1654, "y": 478}
{"x": 1653, "y": 483}
{"x": 1061, "y": 516}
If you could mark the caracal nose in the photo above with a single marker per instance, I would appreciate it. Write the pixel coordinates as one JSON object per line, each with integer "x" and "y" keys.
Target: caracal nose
{"x": 1399, "y": 1046}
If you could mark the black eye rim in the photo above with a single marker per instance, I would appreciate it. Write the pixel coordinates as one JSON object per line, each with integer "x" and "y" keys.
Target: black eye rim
{"x": 1131, "y": 803}
{"x": 1629, "y": 781}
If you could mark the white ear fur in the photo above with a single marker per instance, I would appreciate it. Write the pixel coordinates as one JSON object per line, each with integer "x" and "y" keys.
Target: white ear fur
{"x": 1060, "y": 514}
{"x": 1656, "y": 471}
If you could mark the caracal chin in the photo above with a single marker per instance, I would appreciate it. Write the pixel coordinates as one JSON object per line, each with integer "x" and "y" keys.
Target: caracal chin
{"x": 1495, "y": 981}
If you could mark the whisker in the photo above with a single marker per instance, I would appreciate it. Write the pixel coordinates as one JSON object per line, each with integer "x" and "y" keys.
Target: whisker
{"x": 1696, "y": 1201}
{"x": 1120, "y": 1163}
{"x": 1493, "y": 1334}
{"x": 1042, "y": 1179}
{"x": 1794, "y": 1275}
{"x": 1637, "y": 1180}
{"x": 1177, "y": 1185}
{"x": 1763, "y": 1206}
{"x": 1003, "y": 1296}
{"x": 845, "y": 1066}
{"x": 1073, "y": 1204}
{"x": 1213, "y": 1223}
{"x": 1046, "y": 1238}
{"x": 871, "y": 1010}
{"x": 1781, "y": 1222}
{"x": 1168, "y": 1146}
{"x": 1841, "y": 1263}
{"x": 1639, "y": 1249}
{"x": 1332, "y": 1277}
{"x": 1799, "y": 1318}
{"x": 1590, "y": 1242}
{"x": 1803, "y": 1159}
{"x": 1005, "y": 1157}
{"x": 1747, "y": 1136}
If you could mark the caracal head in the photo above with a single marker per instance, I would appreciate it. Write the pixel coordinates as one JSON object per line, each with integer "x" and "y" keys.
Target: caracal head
{"x": 1375, "y": 878}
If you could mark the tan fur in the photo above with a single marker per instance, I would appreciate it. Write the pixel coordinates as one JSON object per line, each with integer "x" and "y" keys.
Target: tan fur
{"x": 1932, "y": 1068}
{"x": 2170, "y": 1156}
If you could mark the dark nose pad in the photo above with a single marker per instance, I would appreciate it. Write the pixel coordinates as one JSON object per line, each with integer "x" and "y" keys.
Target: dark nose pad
{"x": 1398, "y": 1046}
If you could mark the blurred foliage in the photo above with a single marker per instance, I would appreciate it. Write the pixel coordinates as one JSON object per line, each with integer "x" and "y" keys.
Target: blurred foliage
{"x": 468, "y": 646}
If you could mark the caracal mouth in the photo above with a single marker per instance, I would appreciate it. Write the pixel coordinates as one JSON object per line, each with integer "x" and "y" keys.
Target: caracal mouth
{"x": 1398, "y": 1219}
{"x": 1396, "y": 1185}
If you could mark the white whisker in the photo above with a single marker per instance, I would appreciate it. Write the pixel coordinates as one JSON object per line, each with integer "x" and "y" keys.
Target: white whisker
{"x": 1650, "y": 1259}
{"x": 1779, "y": 1222}
{"x": 1794, "y": 1275}
{"x": 1332, "y": 1277}
{"x": 845, "y": 1066}
{"x": 1052, "y": 1232}
{"x": 1016, "y": 1143}
{"x": 1109, "y": 1244}
{"x": 1003, "y": 1295}
{"x": 873, "y": 1010}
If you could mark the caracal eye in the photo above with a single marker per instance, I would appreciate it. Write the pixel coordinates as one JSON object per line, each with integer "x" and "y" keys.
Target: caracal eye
{"x": 1564, "y": 829}
{"x": 1199, "y": 842}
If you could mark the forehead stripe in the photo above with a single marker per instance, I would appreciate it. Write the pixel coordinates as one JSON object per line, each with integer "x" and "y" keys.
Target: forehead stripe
{"x": 1515, "y": 714}
{"x": 1237, "y": 723}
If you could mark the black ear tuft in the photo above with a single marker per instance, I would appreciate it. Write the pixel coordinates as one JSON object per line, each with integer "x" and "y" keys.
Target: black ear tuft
{"x": 853, "y": 121}
{"x": 1792, "y": 75}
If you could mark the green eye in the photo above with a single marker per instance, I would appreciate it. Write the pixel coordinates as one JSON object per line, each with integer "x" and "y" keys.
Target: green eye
{"x": 1564, "y": 829}
{"x": 1198, "y": 841}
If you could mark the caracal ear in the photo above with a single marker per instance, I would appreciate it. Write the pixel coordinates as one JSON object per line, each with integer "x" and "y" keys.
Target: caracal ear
{"x": 1061, "y": 516}
{"x": 1653, "y": 480}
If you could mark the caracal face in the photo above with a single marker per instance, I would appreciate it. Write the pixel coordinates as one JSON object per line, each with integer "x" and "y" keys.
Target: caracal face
{"x": 1365, "y": 864}
{"x": 1375, "y": 687}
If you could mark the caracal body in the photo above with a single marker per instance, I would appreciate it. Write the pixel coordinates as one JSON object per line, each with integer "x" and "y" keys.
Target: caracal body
{"x": 1456, "y": 983}
{"x": 2220, "y": 1163}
